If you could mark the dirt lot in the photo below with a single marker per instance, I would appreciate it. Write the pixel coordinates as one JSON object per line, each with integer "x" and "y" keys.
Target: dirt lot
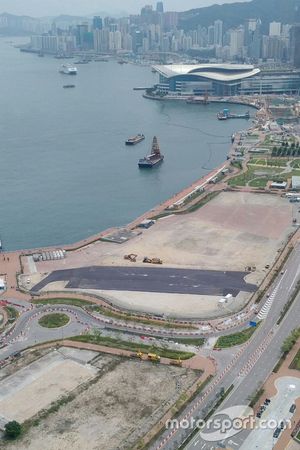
{"x": 113, "y": 412}
{"x": 231, "y": 232}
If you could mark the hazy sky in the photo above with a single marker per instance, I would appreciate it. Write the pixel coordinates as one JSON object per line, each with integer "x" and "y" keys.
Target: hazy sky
{"x": 87, "y": 7}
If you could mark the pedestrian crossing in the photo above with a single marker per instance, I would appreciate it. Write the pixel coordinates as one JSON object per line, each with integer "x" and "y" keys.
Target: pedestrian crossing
{"x": 267, "y": 306}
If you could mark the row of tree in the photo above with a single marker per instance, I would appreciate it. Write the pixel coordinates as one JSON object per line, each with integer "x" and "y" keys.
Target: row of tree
{"x": 286, "y": 150}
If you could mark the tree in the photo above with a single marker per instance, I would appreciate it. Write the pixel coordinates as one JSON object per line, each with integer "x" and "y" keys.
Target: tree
{"x": 12, "y": 429}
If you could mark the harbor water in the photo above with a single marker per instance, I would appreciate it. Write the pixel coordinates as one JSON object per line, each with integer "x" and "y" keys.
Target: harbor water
{"x": 65, "y": 170}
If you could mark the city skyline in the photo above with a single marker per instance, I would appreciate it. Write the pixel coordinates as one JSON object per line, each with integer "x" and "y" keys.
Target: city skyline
{"x": 75, "y": 7}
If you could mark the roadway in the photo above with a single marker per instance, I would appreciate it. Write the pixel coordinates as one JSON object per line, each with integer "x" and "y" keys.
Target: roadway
{"x": 146, "y": 279}
{"x": 250, "y": 367}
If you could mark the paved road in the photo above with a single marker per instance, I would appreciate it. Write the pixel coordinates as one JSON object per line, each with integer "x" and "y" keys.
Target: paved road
{"x": 252, "y": 366}
{"x": 146, "y": 279}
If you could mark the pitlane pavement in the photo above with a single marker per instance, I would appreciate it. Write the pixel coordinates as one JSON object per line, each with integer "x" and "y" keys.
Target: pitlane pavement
{"x": 151, "y": 279}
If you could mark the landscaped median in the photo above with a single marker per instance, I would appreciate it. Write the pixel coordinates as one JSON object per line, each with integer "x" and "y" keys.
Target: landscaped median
{"x": 95, "y": 307}
{"x": 231, "y": 340}
{"x": 132, "y": 346}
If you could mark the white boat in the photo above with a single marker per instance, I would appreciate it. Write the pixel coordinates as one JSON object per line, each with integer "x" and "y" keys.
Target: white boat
{"x": 68, "y": 69}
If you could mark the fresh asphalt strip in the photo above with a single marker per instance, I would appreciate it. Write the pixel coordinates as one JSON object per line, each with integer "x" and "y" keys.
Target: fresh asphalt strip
{"x": 151, "y": 279}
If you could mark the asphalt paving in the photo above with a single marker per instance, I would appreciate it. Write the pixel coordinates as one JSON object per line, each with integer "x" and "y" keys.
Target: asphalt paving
{"x": 146, "y": 279}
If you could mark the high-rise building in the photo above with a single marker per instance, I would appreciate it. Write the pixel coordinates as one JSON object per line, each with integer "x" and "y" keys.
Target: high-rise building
{"x": 218, "y": 32}
{"x": 275, "y": 29}
{"x": 236, "y": 42}
{"x": 295, "y": 45}
{"x": 97, "y": 23}
{"x": 211, "y": 35}
{"x": 160, "y": 7}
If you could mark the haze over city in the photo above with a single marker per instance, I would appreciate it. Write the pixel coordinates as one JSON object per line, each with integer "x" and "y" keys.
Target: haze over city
{"x": 150, "y": 224}
{"x": 38, "y": 8}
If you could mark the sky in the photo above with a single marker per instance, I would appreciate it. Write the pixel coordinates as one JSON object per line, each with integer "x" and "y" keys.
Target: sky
{"x": 39, "y": 8}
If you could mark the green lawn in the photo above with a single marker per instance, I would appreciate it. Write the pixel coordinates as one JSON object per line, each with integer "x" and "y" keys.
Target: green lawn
{"x": 235, "y": 339}
{"x": 54, "y": 320}
{"x": 295, "y": 364}
{"x": 132, "y": 346}
{"x": 258, "y": 182}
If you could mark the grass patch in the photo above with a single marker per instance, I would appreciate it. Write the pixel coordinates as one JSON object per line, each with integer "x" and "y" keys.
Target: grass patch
{"x": 199, "y": 204}
{"x": 12, "y": 313}
{"x": 231, "y": 340}
{"x": 198, "y": 342}
{"x": 132, "y": 346}
{"x": 251, "y": 174}
{"x": 63, "y": 301}
{"x": 295, "y": 364}
{"x": 55, "y": 320}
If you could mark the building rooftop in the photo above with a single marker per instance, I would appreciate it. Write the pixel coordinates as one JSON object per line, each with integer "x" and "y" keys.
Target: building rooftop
{"x": 216, "y": 72}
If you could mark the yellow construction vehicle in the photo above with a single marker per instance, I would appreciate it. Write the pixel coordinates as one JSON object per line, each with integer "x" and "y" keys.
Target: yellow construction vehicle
{"x": 176, "y": 362}
{"x": 138, "y": 354}
{"x": 153, "y": 357}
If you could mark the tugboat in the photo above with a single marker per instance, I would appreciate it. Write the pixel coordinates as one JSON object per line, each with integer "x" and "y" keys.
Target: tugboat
{"x": 154, "y": 158}
{"x": 135, "y": 139}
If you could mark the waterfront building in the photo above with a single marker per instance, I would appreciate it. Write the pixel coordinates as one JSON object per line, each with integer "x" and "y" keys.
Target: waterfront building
{"x": 225, "y": 80}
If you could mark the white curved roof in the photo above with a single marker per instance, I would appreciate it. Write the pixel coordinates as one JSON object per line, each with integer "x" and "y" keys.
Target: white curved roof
{"x": 216, "y": 72}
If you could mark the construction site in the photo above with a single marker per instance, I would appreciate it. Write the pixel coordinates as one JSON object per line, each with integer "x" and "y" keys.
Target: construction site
{"x": 236, "y": 235}
{"x": 79, "y": 398}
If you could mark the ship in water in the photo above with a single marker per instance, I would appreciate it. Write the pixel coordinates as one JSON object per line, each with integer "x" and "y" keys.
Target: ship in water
{"x": 135, "y": 139}
{"x": 68, "y": 69}
{"x": 68, "y": 86}
{"x": 154, "y": 158}
{"x": 226, "y": 114}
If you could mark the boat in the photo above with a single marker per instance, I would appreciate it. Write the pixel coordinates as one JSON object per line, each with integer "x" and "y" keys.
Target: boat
{"x": 153, "y": 159}
{"x": 1, "y": 248}
{"x": 226, "y": 114}
{"x": 68, "y": 69}
{"x": 135, "y": 139}
{"x": 81, "y": 61}
{"x": 67, "y": 86}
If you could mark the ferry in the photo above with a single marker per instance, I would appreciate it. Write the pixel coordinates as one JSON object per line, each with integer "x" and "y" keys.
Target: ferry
{"x": 154, "y": 158}
{"x": 68, "y": 69}
{"x": 226, "y": 114}
{"x": 135, "y": 139}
